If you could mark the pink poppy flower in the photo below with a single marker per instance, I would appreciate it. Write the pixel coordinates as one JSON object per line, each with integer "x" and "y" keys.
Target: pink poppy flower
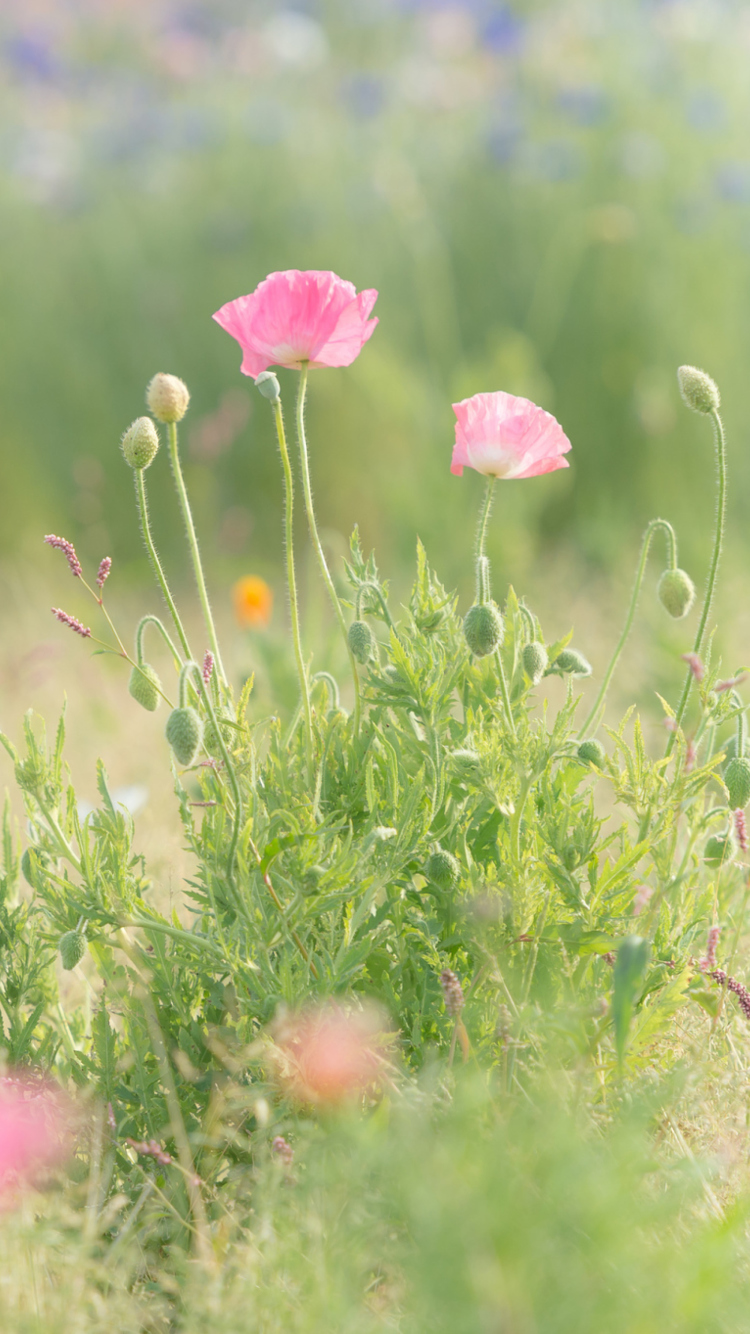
{"x": 295, "y": 317}
{"x": 503, "y": 436}
{"x": 327, "y": 1056}
{"x": 35, "y": 1132}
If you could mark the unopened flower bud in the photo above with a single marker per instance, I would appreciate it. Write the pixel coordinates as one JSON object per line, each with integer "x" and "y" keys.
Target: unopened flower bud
{"x": 535, "y": 661}
{"x": 145, "y": 686}
{"x": 737, "y": 779}
{"x": 572, "y": 663}
{"x": 730, "y": 750}
{"x": 719, "y": 850}
{"x": 184, "y": 733}
{"x": 168, "y": 397}
{"x": 699, "y": 391}
{"x": 676, "y": 592}
{"x": 592, "y": 752}
{"x": 483, "y": 628}
{"x": 269, "y": 386}
{"x": 30, "y": 774}
{"x": 140, "y": 443}
{"x": 361, "y": 641}
{"x": 443, "y": 869}
{"x": 72, "y": 947}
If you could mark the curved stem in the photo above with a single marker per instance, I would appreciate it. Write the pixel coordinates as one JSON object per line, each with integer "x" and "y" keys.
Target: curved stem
{"x": 140, "y": 496}
{"x": 373, "y": 588}
{"x": 291, "y": 577}
{"x": 307, "y": 489}
{"x": 174, "y": 458}
{"x": 481, "y": 560}
{"x": 595, "y": 716}
{"x": 721, "y": 514}
{"x": 140, "y": 631}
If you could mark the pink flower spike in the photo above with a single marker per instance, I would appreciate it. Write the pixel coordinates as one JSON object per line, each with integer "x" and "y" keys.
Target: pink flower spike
{"x": 740, "y": 828}
{"x": 295, "y": 317}
{"x": 208, "y": 666}
{"x": 62, "y": 544}
{"x": 695, "y": 665}
{"x": 104, "y": 569}
{"x": 642, "y": 896}
{"x": 500, "y": 435}
{"x": 63, "y": 616}
{"x": 731, "y": 683}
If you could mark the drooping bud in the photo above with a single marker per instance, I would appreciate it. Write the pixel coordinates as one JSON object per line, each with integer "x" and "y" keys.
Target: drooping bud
{"x": 572, "y": 663}
{"x": 72, "y": 947}
{"x": 184, "y": 732}
{"x": 269, "y": 386}
{"x": 737, "y": 779}
{"x": 535, "y": 660}
{"x": 168, "y": 397}
{"x": 443, "y": 869}
{"x": 31, "y": 862}
{"x": 699, "y": 392}
{"x": 676, "y": 592}
{"x": 592, "y": 752}
{"x": 144, "y": 685}
{"x": 140, "y": 443}
{"x": 719, "y": 850}
{"x": 361, "y": 641}
{"x": 483, "y": 628}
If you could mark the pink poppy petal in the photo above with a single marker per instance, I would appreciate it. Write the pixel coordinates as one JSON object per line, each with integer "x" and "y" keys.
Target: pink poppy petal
{"x": 503, "y": 435}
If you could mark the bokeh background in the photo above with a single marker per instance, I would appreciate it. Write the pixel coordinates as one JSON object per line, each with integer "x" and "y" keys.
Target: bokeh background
{"x": 552, "y": 199}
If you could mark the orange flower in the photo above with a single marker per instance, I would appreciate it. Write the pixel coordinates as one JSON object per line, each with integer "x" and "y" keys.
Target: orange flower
{"x": 253, "y": 601}
{"x": 324, "y": 1055}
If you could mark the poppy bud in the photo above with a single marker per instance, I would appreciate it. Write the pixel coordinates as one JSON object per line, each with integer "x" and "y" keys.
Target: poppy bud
{"x": 535, "y": 661}
{"x": 676, "y": 592}
{"x": 442, "y": 868}
{"x": 144, "y": 685}
{"x": 361, "y": 641}
{"x": 572, "y": 663}
{"x": 483, "y": 628}
{"x": 592, "y": 752}
{"x": 168, "y": 397}
{"x": 699, "y": 392}
{"x": 140, "y": 443}
{"x": 737, "y": 779}
{"x": 72, "y": 947}
{"x": 269, "y": 386}
{"x": 184, "y": 733}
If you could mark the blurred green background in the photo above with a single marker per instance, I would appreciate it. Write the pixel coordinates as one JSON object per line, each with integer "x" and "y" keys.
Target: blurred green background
{"x": 552, "y": 199}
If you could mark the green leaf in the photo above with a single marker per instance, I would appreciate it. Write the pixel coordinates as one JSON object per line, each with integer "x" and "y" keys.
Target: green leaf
{"x": 630, "y": 970}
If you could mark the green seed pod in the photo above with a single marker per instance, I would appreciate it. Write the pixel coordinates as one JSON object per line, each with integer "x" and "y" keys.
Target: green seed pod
{"x": 592, "y": 752}
{"x": 443, "y": 869}
{"x": 737, "y": 779}
{"x": 535, "y": 661}
{"x": 184, "y": 733}
{"x": 144, "y": 685}
{"x": 361, "y": 641}
{"x": 268, "y": 385}
{"x": 699, "y": 392}
{"x": 168, "y": 397}
{"x": 676, "y": 592}
{"x": 719, "y": 850}
{"x": 72, "y": 947}
{"x": 572, "y": 663}
{"x": 140, "y": 443}
{"x": 465, "y": 759}
{"x": 483, "y": 628}
{"x": 31, "y": 863}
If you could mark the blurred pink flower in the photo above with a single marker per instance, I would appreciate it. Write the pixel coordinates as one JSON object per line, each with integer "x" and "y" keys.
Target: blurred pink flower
{"x": 327, "y": 1056}
{"x": 503, "y": 436}
{"x": 34, "y": 1132}
{"x": 294, "y": 317}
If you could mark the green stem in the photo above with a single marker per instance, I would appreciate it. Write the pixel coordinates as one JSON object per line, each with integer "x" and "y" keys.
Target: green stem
{"x": 373, "y": 588}
{"x": 721, "y": 514}
{"x": 595, "y": 716}
{"x": 229, "y": 766}
{"x": 140, "y": 631}
{"x": 302, "y": 441}
{"x": 140, "y": 496}
{"x": 291, "y": 577}
{"x": 174, "y": 458}
{"x": 482, "y": 576}
{"x": 504, "y": 691}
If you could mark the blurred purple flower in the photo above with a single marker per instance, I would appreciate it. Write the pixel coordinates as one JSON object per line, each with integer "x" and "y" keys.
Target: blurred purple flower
{"x": 705, "y": 110}
{"x": 732, "y": 182}
{"x": 585, "y": 105}
{"x": 502, "y": 31}
{"x": 364, "y": 94}
{"x": 32, "y": 54}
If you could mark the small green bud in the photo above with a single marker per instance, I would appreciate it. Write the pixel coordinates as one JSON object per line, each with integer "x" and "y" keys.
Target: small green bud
{"x": 72, "y": 947}
{"x": 443, "y": 869}
{"x": 535, "y": 661}
{"x": 737, "y": 779}
{"x": 31, "y": 861}
{"x": 676, "y": 592}
{"x": 483, "y": 628}
{"x": 269, "y": 386}
{"x": 572, "y": 663}
{"x": 144, "y": 685}
{"x": 465, "y": 758}
{"x": 730, "y": 750}
{"x": 361, "y": 641}
{"x": 168, "y": 397}
{"x": 719, "y": 850}
{"x": 30, "y": 774}
{"x": 592, "y": 752}
{"x": 140, "y": 443}
{"x": 184, "y": 733}
{"x": 699, "y": 391}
